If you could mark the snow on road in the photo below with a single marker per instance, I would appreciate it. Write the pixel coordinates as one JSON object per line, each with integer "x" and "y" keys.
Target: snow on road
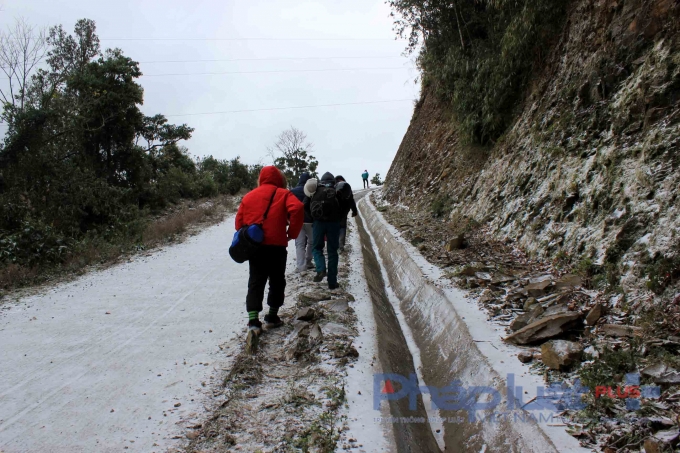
{"x": 100, "y": 364}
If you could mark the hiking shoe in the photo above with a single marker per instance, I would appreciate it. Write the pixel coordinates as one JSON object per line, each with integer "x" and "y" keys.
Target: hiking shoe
{"x": 255, "y": 325}
{"x": 272, "y": 322}
{"x": 310, "y": 266}
{"x": 333, "y": 286}
{"x": 253, "y": 337}
{"x": 319, "y": 276}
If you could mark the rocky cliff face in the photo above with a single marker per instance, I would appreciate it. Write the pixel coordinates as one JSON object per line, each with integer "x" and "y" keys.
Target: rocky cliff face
{"x": 590, "y": 169}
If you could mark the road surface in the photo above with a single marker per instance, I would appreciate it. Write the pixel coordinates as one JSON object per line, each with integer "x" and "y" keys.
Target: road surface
{"x": 100, "y": 364}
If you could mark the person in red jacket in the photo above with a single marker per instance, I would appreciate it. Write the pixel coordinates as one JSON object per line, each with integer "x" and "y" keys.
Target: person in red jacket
{"x": 283, "y": 223}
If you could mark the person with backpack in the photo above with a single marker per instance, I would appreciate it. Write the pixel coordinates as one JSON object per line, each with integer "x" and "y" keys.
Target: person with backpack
{"x": 303, "y": 243}
{"x": 281, "y": 217}
{"x": 325, "y": 207}
{"x": 364, "y": 176}
{"x": 344, "y": 190}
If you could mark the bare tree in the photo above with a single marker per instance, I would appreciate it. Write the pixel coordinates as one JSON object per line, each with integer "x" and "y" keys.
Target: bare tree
{"x": 22, "y": 48}
{"x": 291, "y": 154}
{"x": 289, "y": 142}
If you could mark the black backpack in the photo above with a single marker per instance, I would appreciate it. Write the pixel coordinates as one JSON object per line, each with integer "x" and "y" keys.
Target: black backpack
{"x": 324, "y": 204}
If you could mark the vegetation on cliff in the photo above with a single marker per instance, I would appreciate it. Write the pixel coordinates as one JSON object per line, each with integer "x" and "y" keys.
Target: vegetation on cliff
{"x": 479, "y": 55}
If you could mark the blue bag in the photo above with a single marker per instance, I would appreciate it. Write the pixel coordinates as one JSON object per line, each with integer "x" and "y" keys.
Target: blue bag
{"x": 248, "y": 239}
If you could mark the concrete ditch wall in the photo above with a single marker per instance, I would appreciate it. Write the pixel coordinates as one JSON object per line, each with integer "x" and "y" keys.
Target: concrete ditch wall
{"x": 453, "y": 348}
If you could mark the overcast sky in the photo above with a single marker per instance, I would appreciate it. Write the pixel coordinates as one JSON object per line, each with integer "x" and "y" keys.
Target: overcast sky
{"x": 290, "y": 35}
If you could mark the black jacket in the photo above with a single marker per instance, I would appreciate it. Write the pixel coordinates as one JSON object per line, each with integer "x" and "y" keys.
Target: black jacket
{"x": 327, "y": 180}
{"x": 299, "y": 192}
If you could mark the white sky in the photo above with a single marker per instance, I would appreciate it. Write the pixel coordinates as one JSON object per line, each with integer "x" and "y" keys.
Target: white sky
{"x": 347, "y": 139}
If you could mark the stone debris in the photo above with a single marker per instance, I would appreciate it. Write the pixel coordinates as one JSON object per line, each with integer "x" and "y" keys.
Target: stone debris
{"x": 305, "y": 314}
{"x": 310, "y": 298}
{"x": 561, "y": 354}
{"x": 594, "y": 314}
{"x": 568, "y": 281}
{"x": 617, "y": 330}
{"x": 315, "y": 334}
{"x": 662, "y": 374}
{"x": 338, "y": 305}
{"x": 525, "y": 356}
{"x": 662, "y": 441}
{"x": 456, "y": 243}
{"x": 543, "y": 329}
{"x": 538, "y": 289}
{"x": 527, "y": 318}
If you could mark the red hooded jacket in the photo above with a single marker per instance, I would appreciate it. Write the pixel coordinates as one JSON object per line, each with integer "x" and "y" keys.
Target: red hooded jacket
{"x": 286, "y": 210}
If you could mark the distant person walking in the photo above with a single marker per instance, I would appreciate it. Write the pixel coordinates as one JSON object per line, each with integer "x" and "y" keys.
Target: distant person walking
{"x": 324, "y": 206}
{"x": 303, "y": 243}
{"x": 364, "y": 176}
{"x": 344, "y": 191}
{"x": 284, "y": 221}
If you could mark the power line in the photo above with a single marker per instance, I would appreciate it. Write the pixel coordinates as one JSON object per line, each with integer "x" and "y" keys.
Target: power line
{"x": 268, "y": 72}
{"x": 250, "y": 39}
{"x": 270, "y": 59}
{"x": 289, "y": 108}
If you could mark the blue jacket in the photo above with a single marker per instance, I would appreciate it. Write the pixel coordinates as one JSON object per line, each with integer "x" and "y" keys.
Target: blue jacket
{"x": 299, "y": 192}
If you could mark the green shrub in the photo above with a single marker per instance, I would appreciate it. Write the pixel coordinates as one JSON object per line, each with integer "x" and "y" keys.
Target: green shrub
{"x": 478, "y": 56}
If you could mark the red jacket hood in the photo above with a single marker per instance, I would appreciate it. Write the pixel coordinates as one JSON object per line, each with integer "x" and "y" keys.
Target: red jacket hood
{"x": 271, "y": 175}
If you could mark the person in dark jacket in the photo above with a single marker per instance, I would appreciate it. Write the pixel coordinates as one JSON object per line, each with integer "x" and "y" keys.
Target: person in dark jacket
{"x": 345, "y": 192}
{"x": 326, "y": 212}
{"x": 284, "y": 222}
{"x": 303, "y": 243}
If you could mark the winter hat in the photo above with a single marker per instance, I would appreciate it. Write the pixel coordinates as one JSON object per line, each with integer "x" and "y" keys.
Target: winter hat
{"x": 310, "y": 187}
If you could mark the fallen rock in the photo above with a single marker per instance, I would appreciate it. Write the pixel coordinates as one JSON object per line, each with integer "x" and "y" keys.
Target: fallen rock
{"x": 314, "y": 297}
{"x": 487, "y": 296}
{"x": 525, "y": 319}
{"x": 305, "y": 314}
{"x": 498, "y": 279}
{"x": 616, "y": 330}
{"x": 470, "y": 270}
{"x": 538, "y": 289}
{"x": 191, "y": 435}
{"x": 594, "y": 314}
{"x": 456, "y": 243}
{"x": 484, "y": 276}
{"x": 337, "y": 306}
{"x": 568, "y": 281}
{"x": 315, "y": 334}
{"x": 525, "y": 356}
{"x": 561, "y": 354}
{"x": 556, "y": 309}
{"x": 295, "y": 349}
{"x": 300, "y": 329}
{"x": 544, "y": 328}
{"x": 530, "y": 302}
{"x": 541, "y": 278}
{"x": 661, "y": 441}
{"x": 662, "y": 374}
{"x": 336, "y": 329}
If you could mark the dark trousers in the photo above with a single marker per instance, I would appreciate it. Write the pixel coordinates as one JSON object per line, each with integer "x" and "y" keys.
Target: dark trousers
{"x": 366, "y": 184}
{"x": 331, "y": 232}
{"x": 269, "y": 263}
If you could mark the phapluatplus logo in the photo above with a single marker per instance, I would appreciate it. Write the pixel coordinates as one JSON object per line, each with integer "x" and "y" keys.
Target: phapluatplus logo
{"x": 550, "y": 399}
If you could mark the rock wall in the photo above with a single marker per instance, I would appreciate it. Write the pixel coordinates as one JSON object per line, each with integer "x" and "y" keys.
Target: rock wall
{"x": 589, "y": 170}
